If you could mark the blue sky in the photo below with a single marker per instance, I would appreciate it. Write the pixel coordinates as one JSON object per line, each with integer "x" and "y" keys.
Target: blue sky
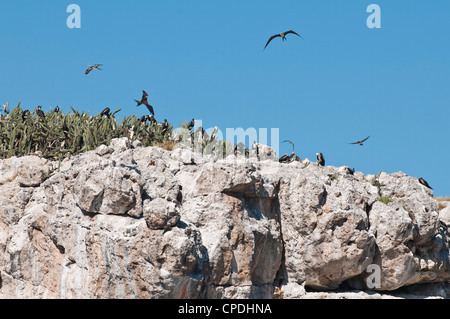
{"x": 205, "y": 59}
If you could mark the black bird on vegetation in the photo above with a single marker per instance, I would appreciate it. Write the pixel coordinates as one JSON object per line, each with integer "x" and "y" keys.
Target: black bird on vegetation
{"x": 282, "y": 36}
{"x": 144, "y": 101}
{"x": 165, "y": 126}
{"x": 320, "y": 159}
{"x": 191, "y": 124}
{"x": 144, "y": 119}
{"x": 56, "y": 110}
{"x": 25, "y": 115}
{"x": 424, "y": 183}
{"x": 93, "y": 67}
{"x": 106, "y": 112}
{"x": 40, "y": 113}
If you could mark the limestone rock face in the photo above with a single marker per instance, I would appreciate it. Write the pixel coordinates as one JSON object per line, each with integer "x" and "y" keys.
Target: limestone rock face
{"x": 124, "y": 221}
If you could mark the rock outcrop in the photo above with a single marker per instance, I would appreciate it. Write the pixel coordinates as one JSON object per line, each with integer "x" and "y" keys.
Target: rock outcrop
{"x": 125, "y": 221}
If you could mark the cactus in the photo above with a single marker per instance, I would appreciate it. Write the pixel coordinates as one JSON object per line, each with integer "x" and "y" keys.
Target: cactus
{"x": 20, "y": 137}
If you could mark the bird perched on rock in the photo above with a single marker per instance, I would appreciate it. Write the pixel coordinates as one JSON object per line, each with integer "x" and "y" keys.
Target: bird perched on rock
{"x": 282, "y": 36}
{"x": 106, "y": 112}
{"x": 360, "y": 142}
{"x": 144, "y": 100}
{"x": 320, "y": 159}
{"x": 284, "y": 159}
{"x": 93, "y": 67}
{"x": 424, "y": 183}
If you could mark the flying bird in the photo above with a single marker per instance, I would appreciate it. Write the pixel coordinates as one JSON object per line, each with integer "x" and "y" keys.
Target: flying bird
{"x": 360, "y": 142}
{"x": 424, "y": 183}
{"x": 293, "y": 146}
{"x": 320, "y": 159}
{"x": 93, "y": 67}
{"x": 144, "y": 101}
{"x": 282, "y": 36}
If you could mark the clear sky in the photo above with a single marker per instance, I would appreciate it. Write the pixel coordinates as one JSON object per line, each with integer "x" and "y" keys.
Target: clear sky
{"x": 205, "y": 59}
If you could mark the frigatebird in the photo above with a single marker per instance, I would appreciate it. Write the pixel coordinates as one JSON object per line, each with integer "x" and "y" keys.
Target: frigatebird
{"x": 282, "y": 36}
{"x": 360, "y": 142}
{"x": 25, "y": 115}
{"x": 191, "y": 124}
{"x": 144, "y": 101}
{"x": 320, "y": 159}
{"x": 106, "y": 112}
{"x": 56, "y": 110}
{"x": 165, "y": 126}
{"x": 292, "y": 143}
{"x": 93, "y": 67}
{"x": 424, "y": 183}
{"x": 284, "y": 159}
{"x": 40, "y": 113}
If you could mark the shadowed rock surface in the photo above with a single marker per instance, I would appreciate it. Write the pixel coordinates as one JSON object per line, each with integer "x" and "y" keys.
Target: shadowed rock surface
{"x": 125, "y": 221}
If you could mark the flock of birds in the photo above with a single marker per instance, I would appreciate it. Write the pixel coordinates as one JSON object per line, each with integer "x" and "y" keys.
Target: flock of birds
{"x": 165, "y": 125}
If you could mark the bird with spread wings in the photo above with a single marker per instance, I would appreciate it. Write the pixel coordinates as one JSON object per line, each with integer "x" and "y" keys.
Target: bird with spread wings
{"x": 93, "y": 67}
{"x": 282, "y": 36}
{"x": 360, "y": 142}
{"x": 144, "y": 101}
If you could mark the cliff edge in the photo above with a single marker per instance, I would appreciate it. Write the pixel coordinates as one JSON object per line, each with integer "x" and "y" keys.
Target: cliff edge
{"x": 126, "y": 221}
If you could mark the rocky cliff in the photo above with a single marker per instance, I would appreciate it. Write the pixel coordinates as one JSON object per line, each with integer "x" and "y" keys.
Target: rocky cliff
{"x": 125, "y": 221}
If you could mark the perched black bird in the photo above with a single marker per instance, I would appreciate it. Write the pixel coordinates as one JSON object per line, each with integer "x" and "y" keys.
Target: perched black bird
{"x": 93, "y": 67}
{"x": 152, "y": 119}
{"x": 165, "y": 126}
{"x": 284, "y": 159}
{"x": 40, "y": 113}
{"x": 25, "y": 115}
{"x": 144, "y": 101}
{"x": 360, "y": 142}
{"x": 144, "y": 119}
{"x": 106, "y": 112}
{"x": 320, "y": 159}
{"x": 424, "y": 183}
{"x": 65, "y": 127}
{"x": 191, "y": 124}
{"x": 282, "y": 36}
{"x": 56, "y": 110}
